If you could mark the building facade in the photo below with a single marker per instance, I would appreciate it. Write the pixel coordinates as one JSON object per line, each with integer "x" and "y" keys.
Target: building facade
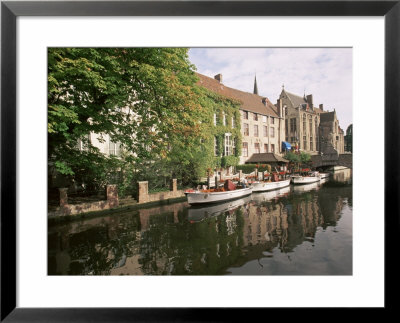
{"x": 308, "y": 127}
{"x": 261, "y": 122}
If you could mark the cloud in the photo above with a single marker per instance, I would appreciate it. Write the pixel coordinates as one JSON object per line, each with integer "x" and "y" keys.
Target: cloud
{"x": 326, "y": 73}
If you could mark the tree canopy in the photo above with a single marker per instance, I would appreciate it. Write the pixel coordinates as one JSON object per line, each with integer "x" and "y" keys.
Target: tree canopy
{"x": 142, "y": 98}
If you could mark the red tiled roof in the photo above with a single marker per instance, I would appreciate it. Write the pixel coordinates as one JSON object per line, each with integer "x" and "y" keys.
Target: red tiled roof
{"x": 249, "y": 101}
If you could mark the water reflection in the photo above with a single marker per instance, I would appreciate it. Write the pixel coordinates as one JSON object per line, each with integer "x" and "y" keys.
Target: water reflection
{"x": 246, "y": 236}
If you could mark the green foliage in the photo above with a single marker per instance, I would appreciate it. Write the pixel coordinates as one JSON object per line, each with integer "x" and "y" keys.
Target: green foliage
{"x": 220, "y": 105}
{"x": 249, "y": 168}
{"x": 296, "y": 159}
{"x": 227, "y": 161}
{"x": 292, "y": 157}
{"x": 143, "y": 98}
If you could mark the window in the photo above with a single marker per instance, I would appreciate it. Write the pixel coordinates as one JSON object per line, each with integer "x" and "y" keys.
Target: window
{"x": 82, "y": 144}
{"x": 293, "y": 139}
{"x": 113, "y": 148}
{"x": 223, "y": 118}
{"x": 255, "y": 130}
{"x": 257, "y": 148}
{"x": 293, "y": 125}
{"x": 265, "y": 131}
{"x": 304, "y": 143}
{"x": 228, "y": 144}
{"x": 272, "y": 120}
{"x": 304, "y": 123}
{"x": 216, "y": 152}
{"x": 245, "y": 115}
{"x": 264, "y": 119}
{"x": 233, "y": 122}
{"x": 272, "y": 148}
{"x": 245, "y": 149}
{"x": 310, "y": 124}
{"x": 246, "y": 129}
{"x": 215, "y": 119}
{"x": 255, "y": 117}
{"x": 311, "y": 144}
{"x": 272, "y": 132}
{"x": 265, "y": 148}
{"x": 286, "y": 128}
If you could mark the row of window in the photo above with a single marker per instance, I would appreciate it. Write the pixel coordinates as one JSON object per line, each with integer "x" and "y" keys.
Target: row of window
{"x": 245, "y": 148}
{"x": 224, "y": 120}
{"x": 229, "y": 146}
{"x": 246, "y": 114}
{"x": 246, "y": 131}
{"x": 113, "y": 147}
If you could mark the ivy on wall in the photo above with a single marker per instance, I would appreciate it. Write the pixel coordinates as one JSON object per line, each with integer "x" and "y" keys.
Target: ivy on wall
{"x": 219, "y": 105}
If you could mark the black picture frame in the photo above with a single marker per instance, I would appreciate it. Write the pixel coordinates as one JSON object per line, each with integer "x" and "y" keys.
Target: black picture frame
{"x": 10, "y": 10}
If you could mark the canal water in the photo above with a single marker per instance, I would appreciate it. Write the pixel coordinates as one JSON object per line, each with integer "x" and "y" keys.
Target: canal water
{"x": 297, "y": 230}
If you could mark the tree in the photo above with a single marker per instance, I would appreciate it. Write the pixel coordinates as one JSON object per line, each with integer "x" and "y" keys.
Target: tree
{"x": 143, "y": 98}
{"x": 297, "y": 159}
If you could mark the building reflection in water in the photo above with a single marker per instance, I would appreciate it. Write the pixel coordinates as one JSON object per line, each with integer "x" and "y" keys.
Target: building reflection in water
{"x": 180, "y": 240}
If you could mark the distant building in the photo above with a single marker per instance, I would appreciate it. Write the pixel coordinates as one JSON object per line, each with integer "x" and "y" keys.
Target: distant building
{"x": 308, "y": 127}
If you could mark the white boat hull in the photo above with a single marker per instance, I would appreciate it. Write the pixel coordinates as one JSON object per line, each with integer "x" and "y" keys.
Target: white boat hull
{"x": 269, "y": 186}
{"x": 215, "y": 197}
{"x": 324, "y": 175}
{"x": 305, "y": 179}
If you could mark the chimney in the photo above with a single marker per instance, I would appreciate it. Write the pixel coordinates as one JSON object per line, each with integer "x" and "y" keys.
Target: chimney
{"x": 310, "y": 101}
{"x": 264, "y": 101}
{"x": 218, "y": 77}
{"x": 321, "y": 106}
{"x": 280, "y": 108}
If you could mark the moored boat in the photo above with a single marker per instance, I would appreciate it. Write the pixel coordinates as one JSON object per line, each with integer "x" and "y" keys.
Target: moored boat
{"x": 311, "y": 178}
{"x": 263, "y": 186}
{"x": 324, "y": 175}
{"x": 228, "y": 192}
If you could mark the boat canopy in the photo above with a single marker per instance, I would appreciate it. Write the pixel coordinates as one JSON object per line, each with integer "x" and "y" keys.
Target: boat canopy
{"x": 286, "y": 145}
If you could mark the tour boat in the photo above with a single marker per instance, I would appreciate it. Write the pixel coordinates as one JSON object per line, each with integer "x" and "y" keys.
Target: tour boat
{"x": 311, "y": 178}
{"x": 197, "y": 213}
{"x": 269, "y": 186}
{"x": 229, "y": 192}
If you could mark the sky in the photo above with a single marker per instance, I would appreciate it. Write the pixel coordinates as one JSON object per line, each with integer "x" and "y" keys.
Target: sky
{"x": 326, "y": 73}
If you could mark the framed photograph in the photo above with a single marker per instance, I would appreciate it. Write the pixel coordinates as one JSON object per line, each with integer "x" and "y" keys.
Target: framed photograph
{"x": 277, "y": 88}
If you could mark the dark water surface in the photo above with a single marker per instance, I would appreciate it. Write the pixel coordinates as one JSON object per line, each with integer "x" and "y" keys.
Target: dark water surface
{"x": 298, "y": 230}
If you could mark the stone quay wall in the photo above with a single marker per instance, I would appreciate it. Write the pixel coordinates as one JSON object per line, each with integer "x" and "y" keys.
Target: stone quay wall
{"x": 74, "y": 209}
{"x": 145, "y": 197}
{"x": 113, "y": 200}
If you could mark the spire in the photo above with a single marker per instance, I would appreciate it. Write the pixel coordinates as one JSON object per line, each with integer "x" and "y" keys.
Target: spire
{"x": 255, "y": 85}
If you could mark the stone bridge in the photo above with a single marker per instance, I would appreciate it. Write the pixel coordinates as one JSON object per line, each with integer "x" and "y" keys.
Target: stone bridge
{"x": 327, "y": 160}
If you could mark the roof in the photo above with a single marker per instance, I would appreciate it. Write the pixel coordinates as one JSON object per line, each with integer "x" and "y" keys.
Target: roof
{"x": 327, "y": 116}
{"x": 249, "y": 101}
{"x": 266, "y": 158}
{"x": 297, "y": 100}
